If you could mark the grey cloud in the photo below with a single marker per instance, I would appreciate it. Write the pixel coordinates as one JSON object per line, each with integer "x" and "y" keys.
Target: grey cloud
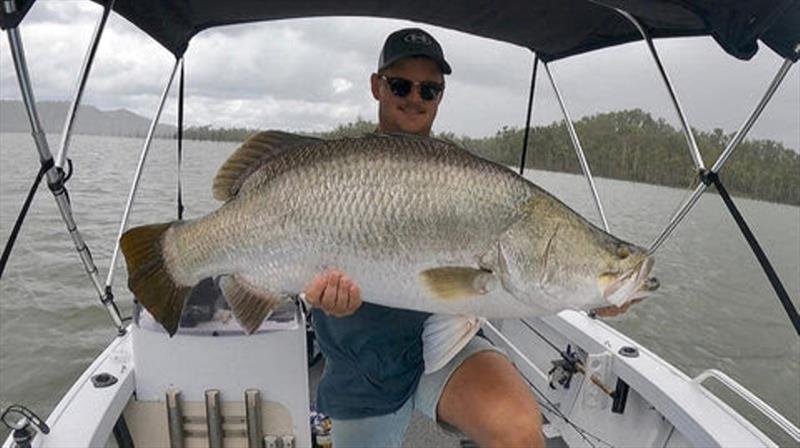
{"x": 44, "y": 11}
{"x": 290, "y": 74}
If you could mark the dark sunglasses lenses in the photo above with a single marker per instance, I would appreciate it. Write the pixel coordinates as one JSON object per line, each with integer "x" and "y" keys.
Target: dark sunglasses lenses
{"x": 429, "y": 91}
{"x": 402, "y": 87}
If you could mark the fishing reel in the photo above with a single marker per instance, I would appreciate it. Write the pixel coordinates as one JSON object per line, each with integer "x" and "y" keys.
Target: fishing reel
{"x": 22, "y": 425}
{"x": 564, "y": 369}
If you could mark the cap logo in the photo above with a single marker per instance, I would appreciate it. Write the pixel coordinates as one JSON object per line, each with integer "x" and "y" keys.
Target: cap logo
{"x": 418, "y": 39}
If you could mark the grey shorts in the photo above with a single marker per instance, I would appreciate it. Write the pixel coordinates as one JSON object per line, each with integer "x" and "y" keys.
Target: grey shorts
{"x": 389, "y": 430}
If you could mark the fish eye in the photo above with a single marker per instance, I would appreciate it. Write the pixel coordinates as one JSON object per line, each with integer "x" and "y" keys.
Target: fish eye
{"x": 623, "y": 252}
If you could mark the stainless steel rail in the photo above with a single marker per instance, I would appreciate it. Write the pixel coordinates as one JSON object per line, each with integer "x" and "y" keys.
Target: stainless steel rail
{"x": 54, "y": 176}
{"x": 578, "y": 149}
{"x": 752, "y": 399}
{"x": 66, "y": 134}
{"x": 687, "y": 129}
{"x": 214, "y": 418}
{"x": 687, "y": 205}
{"x": 138, "y": 175}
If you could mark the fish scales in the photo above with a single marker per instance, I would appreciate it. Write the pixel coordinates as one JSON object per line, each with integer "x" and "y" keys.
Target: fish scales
{"x": 400, "y": 215}
{"x": 382, "y": 199}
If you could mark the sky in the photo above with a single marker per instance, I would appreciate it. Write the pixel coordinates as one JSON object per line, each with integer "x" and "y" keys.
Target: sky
{"x": 313, "y": 74}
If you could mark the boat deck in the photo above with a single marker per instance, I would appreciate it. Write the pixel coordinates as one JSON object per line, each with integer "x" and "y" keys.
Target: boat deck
{"x": 422, "y": 431}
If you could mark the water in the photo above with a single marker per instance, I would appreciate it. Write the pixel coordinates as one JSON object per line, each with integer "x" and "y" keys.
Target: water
{"x": 715, "y": 308}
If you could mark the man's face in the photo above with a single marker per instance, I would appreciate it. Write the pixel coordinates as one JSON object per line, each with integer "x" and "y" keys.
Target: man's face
{"x": 410, "y": 114}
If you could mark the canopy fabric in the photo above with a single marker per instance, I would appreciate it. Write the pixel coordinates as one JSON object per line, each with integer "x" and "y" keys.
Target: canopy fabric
{"x": 554, "y": 29}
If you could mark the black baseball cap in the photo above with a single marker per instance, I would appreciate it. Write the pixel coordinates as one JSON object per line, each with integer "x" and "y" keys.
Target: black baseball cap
{"x": 412, "y": 42}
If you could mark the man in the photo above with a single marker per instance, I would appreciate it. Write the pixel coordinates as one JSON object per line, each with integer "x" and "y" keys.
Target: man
{"x": 373, "y": 376}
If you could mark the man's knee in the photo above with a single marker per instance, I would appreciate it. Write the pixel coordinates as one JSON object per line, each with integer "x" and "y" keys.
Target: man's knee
{"x": 502, "y": 412}
{"x": 523, "y": 430}
{"x": 515, "y": 423}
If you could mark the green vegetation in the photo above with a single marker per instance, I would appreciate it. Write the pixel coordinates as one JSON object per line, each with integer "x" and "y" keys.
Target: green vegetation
{"x": 627, "y": 145}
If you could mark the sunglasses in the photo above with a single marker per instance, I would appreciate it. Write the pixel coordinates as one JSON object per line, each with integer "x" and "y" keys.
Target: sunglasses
{"x": 401, "y": 87}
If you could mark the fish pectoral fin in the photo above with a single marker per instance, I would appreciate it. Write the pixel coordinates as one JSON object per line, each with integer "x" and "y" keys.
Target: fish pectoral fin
{"x": 250, "y": 156}
{"x": 443, "y": 336}
{"x": 457, "y": 282}
{"x": 250, "y": 305}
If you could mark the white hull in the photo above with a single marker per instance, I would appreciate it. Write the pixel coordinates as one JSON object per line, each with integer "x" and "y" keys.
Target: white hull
{"x": 664, "y": 407}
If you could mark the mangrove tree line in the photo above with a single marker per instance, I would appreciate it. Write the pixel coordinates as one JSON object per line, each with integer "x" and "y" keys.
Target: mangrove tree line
{"x": 627, "y": 145}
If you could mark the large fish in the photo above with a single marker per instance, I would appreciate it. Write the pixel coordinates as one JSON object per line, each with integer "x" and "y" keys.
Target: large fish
{"x": 417, "y": 223}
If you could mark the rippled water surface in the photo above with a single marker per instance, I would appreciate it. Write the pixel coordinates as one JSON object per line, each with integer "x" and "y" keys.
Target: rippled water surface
{"x": 715, "y": 308}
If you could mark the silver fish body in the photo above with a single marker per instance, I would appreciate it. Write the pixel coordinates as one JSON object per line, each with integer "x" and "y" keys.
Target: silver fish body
{"x": 417, "y": 223}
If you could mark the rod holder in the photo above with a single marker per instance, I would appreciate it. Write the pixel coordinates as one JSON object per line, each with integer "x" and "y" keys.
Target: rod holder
{"x": 214, "y": 418}
{"x": 174, "y": 418}
{"x": 252, "y": 405}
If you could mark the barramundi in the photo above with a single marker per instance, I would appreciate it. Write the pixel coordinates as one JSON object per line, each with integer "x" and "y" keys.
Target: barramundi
{"x": 417, "y": 223}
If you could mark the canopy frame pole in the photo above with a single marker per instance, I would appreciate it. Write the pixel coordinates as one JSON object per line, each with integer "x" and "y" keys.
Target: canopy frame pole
{"x": 80, "y": 85}
{"x": 578, "y": 149}
{"x": 726, "y": 153}
{"x": 179, "y": 162}
{"x": 137, "y": 176}
{"x": 55, "y": 176}
{"x": 694, "y": 151}
{"x": 524, "y": 156}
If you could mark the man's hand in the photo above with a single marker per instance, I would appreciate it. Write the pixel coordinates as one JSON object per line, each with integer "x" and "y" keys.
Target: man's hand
{"x": 334, "y": 293}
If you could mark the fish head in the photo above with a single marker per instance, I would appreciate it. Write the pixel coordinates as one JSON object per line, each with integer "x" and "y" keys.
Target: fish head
{"x": 556, "y": 259}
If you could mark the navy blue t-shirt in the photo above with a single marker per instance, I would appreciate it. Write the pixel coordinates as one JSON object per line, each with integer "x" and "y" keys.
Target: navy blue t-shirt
{"x": 373, "y": 360}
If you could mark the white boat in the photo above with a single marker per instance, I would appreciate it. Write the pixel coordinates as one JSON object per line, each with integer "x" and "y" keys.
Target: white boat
{"x": 211, "y": 385}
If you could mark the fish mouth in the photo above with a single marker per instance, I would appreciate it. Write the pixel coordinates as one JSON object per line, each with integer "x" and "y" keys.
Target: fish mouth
{"x": 635, "y": 284}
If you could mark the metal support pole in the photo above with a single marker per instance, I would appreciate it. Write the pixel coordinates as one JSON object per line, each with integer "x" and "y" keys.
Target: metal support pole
{"x": 66, "y": 134}
{"x": 677, "y": 217}
{"x": 725, "y": 155}
{"x": 54, "y": 176}
{"x": 181, "y": 86}
{"x": 697, "y": 159}
{"x": 137, "y": 176}
{"x": 745, "y": 128}
{"x": 524, "y": 155}
{"x": 578, "y": 149}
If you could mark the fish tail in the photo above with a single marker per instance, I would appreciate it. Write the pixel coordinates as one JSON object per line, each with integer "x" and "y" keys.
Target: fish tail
{"x": 148, "y": 277}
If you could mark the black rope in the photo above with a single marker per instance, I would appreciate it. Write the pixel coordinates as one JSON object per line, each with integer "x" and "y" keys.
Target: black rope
{"x": 710, "y": 177}
{"x": 180, "y": 141}
{"x": 46, "y": 165}
{"x": 524, "y": 155}
{"x": 68, "y": 176}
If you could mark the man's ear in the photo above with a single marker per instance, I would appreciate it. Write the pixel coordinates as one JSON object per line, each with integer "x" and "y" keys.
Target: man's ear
{"x": 374, "y": 81}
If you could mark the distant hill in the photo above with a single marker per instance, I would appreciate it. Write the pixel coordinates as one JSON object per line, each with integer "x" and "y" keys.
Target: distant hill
{"x": 90, "y": 120}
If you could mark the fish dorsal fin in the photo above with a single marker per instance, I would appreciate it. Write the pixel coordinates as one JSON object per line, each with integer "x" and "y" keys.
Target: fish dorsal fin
{"x": 250, "y": 156}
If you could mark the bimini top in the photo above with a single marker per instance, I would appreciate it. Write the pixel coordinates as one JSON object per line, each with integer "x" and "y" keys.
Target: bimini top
{"x": 554, "y": 29}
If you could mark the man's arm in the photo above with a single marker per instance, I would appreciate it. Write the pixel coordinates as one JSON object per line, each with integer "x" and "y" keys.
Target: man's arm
{"x": 334, "y": 293}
